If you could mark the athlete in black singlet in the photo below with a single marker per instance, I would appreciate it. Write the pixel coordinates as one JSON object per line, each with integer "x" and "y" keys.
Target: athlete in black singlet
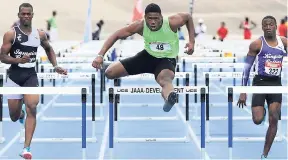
{"x": 21, "y": 42}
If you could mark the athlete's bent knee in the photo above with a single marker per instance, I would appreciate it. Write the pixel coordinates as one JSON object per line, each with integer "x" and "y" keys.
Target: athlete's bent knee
{"x": 14, "y": 117}
{"x": 163, "y": 81}
{"x": 109, "y": 73}
{"x": 273, "y": 118}
{"x": 165, "y": 77}
{"x": 31, "y": 109}
{"x": 258, "y": 120}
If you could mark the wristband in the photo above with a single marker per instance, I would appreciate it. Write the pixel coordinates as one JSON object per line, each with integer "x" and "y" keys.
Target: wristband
{"x": 99, "y": 55}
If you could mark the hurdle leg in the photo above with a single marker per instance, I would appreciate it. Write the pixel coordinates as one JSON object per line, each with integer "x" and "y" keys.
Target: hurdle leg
{"x": 101, "y": 111}
{"x": 208, "y": 135}
{"x": 2, "y": 139}
{"x": 94, "y": 130}
{"x": 230, "y": 153}
{"x": 83, "y": 153}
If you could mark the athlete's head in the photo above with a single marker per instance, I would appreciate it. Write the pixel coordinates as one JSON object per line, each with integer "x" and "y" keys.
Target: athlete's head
{"x": 153, "y": 17}
{"x": 25, "y": 14}
{"x": 269, "y": 26}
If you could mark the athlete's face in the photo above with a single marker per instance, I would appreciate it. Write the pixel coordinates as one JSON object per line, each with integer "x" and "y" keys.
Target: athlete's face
{"x": 269, "y": 27}
{"x": 25, "y": 15}
{"x": 154, "y": 20}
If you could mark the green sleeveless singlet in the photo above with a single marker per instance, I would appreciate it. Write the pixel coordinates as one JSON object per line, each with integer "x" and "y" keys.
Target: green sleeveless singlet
{"x": 163, "y": 43}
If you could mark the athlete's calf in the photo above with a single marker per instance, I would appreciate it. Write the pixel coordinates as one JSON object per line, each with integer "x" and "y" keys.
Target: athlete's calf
{"x": 31, "y": 102}
{"x": 164, "y": 79}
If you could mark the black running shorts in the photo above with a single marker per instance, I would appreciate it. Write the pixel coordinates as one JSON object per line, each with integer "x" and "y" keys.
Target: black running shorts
{"x": 259, "y": 99}
{"x": 143, "y": 62}
{"x": 21, "y": 77}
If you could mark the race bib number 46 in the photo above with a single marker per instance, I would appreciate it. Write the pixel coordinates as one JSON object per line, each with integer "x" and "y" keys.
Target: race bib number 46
{"x": 160, "y": 47}
{"x": 273, "y": 68}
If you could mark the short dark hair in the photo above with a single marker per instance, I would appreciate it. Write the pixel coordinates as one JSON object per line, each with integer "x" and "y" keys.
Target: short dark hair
{"x": 27, "y": 5}
{"x": 269, "y": 17}
{"x": 54, "y": 13}
{"x": 152, "y": 7}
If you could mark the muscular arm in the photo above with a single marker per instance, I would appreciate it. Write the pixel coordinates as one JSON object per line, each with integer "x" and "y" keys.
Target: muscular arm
{"x": 136, "y": 27}
{"x": 181, "y": 19}
{"x": 48, "y": 48}
{"x": 251, "y": 55}
{"x": 5, "y": 48}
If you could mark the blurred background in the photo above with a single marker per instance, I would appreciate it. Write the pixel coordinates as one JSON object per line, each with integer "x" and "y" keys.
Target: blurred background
{"x": 74, "y": 19}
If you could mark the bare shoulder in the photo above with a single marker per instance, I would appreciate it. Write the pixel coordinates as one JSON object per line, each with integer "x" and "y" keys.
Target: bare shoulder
{"x": 9, "y": 35}
{"x": 256, "y": 44}
{"x": 178, "y": 20}
{"x": 255, "y": 47}
{"x": 136, "y": 27}
{"x": 42, "y": 34}
{"x": 179, "y": 16}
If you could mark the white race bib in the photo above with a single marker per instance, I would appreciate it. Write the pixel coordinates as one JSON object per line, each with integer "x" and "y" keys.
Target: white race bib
{"x": 160, "y": 47}
{"x": 273, "y": 68}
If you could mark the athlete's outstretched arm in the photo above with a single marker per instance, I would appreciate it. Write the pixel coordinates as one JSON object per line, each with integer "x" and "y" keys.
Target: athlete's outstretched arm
{"x": 5, "y": 48}
{"x": 250, "y": 58}
{"x": 136, "y": 27}
{"x": 254, "y": 49}
{"x": 48, "y": 48}
{"x": 181, "y": 19}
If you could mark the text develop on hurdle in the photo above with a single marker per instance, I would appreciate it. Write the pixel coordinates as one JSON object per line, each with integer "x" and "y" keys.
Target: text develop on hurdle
{"x": 153, "y": 90}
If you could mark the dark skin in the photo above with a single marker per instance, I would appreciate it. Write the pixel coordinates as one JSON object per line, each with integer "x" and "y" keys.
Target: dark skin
{"x": 31, "y": 101}
{"x": 269, "y": 28}
{"x": 154, "y": 22}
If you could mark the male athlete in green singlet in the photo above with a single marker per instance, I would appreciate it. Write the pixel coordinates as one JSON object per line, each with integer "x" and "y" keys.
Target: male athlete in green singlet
{"x": 160, "y": 50}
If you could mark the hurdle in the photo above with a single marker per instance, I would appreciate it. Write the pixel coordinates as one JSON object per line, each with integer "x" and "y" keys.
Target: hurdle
{"x": 74, "y": 76}
{"x": 158, "y": 105}
{"x": 234, "y": 74}
{"x": 230, "y": 90}
{"x": 93, "y": 105}
{"x": 207, "y": 60}
{"x": 83, "y": 91}
{"x": 147, "y": 90}
{"x": 151, "y": 90}
{"x": 209, "y": 75}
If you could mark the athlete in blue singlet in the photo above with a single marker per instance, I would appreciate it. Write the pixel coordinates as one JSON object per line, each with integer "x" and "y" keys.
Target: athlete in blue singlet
{"x": 267, "y": 54}
{"x": 22, "y": 42}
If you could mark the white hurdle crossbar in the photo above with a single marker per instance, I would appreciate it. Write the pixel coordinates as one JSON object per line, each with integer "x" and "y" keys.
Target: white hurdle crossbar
{"x": 83, "y": 91}
{"x": 178, "y": 75}
{"x": 87, "y": 76}
{"x": 208, "y": 59}
{"x": 209, "y": 75}
{"x": 146, "y": 91}
{"x": 249, "y": 89}
{"x": 74, "y": 76}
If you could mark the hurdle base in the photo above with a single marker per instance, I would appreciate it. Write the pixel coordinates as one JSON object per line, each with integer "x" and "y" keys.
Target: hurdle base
{"x": 152, "y": 140}
{"x": 147, "y": 118}
{"x": 83, "y": 153}
{"x": 123, "y": 104}
{"x": 241, "y": 139}
{"x": 75, "y": 104}
{"x": 60, "y": 140}
{"x": 220, "y": 118}
{"x": 2, "y": 140}
{"x": 68, "y": 119}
